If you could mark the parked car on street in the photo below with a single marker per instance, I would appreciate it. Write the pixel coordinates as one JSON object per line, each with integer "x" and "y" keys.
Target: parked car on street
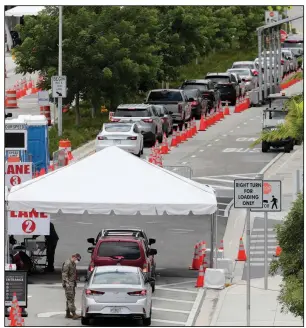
{"x": 126, "y": 136}
{"x": 293, "y": 64}
{"x": 208, "y": 90}
{"x": 147, "y": 118}
{"x": 174, "y": 100}
{"x": 199, "y": 105}
{"x": 247, "y": 76}
{"x": 295, "y": 43}
{"x": 247, "y": 64}
{"x": 227, "y": 84}
{"x": 117, "y": 292}
{"x": 167, "y": 120}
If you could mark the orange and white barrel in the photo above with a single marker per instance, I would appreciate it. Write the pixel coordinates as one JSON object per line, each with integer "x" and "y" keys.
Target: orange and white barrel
{"x": 11, "y": 99}
{"x": 64, "y": 144}
{"x": 45, "y": 110}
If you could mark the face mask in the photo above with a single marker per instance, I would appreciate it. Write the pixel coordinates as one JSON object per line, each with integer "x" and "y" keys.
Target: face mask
{"x": 76, "y": 261}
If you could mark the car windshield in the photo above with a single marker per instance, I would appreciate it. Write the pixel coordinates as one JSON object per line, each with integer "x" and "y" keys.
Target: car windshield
{"x": 126, "y": 249}
{"x": 116, "y": 277}
{"x": 117, "y": 128}
{"x": 219, "y": 79}
{"x": 132, "y": 112}
{"x": 201, "y": 87}
{"x": 241, "y": 72}
{"x": 191, "y": 93}
{"x": 250, "y": 66}
{"x": 165, "y": 96}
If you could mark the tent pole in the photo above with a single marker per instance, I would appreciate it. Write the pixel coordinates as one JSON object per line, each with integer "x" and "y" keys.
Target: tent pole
{"x": 216, "y": 238}
{"x": 7, "y": 241}
{"x": 212, "y": 219}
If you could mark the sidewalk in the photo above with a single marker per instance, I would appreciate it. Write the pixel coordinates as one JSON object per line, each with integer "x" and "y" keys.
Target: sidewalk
{"x": 265, "y": 309}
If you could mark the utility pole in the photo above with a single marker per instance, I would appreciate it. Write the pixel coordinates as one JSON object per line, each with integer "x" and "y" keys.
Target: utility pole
{"x": 60, "y": 66}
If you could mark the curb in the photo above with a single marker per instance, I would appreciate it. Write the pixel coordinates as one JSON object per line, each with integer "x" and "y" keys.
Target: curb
{"x": 193, "y": 315}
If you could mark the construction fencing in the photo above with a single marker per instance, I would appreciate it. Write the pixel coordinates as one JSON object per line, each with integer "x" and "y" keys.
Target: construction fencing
{"x": 184, "y": 171}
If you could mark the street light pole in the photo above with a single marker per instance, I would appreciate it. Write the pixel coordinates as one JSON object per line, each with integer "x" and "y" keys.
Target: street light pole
{"x": 60, "y": 63}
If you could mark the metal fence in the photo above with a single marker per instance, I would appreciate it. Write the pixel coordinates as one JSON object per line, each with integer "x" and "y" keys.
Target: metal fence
{"x": 184, "y": 171}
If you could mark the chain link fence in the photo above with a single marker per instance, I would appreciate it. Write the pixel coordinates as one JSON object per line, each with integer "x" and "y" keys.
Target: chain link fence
{"x": 184, "y": 171}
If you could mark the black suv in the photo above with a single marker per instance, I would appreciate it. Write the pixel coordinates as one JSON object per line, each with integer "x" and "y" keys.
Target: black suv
{"x": 227, "y": 84}
{"x": 208, "y": 90}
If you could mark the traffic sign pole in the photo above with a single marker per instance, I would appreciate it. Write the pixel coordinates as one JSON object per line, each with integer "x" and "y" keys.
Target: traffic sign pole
{"x": 248, "y": 273}
{"x": 266, "y": 248}
{"x": 60, "y": 62}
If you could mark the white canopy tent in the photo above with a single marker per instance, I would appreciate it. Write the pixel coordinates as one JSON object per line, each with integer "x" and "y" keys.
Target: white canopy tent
{"x": 20, "y": 11}
{"x": 113, "y": 180}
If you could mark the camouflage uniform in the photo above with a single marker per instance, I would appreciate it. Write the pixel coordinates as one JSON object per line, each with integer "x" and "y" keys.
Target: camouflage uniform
{"x": 69, "y": 284}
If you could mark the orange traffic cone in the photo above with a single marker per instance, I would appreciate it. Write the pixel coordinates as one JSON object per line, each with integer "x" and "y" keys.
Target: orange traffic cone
{"x": 183, "y": 136}
{"x": 202, "y": 251}
{"x": 178, "y": 137}
{"x": 70, "y": 156}
{"x": 194, "y": 128}
{"x": 164, "y": 147}
{"x": 159, "y": 160}
{"x": 241, "y": 252}
{"x": 195, "y": 262}
{"x": 237, "y": 106}
{"x": 189, "y": 131}
{"x": 42, "y": 171}
{"x": 278, "y": 251}
{"x": 203, "y": 124}
{"x": 200, "y": 280}
{"x": 226, "y": 109}
{"x": 173, "y": 140}
{"x": 36, "y": 174}
{"x": 221, "y": 248}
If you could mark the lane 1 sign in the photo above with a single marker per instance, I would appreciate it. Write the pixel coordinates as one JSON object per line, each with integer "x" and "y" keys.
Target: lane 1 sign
{"x": 17, "y": 173}
{"x": 272, "y": 196}
{"x": 22, "y": 223}
{"x": 248, "y": 193}
{"x": 59, "y": 86}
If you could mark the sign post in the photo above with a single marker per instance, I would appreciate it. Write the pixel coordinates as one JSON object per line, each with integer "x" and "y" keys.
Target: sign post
{"x": 59, "y": 90}
{"x": 272, "y": 202}
{"x": 248, "y": 194}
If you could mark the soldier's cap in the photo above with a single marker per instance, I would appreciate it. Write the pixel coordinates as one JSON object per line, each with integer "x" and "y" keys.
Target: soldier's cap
{"x": 77, "y": 256}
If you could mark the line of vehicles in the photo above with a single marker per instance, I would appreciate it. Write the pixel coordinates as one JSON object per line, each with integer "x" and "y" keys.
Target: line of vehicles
{"x": 121, "y": 276}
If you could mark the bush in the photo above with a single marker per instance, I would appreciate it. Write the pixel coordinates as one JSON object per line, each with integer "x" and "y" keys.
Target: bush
{"x": 78, "y": 135}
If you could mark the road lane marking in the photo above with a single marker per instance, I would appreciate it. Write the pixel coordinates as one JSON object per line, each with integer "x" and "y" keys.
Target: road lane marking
{"x": 130, "y": 227}
{"x": 269, "y": 229}
{"x": 176, "y": 290}
{"x": 84, "y": 222}
{"x": 259, "y": 259}
{"x": 201, "y": 150}
{"x": 196, "y": 307}
{"x": 238, "y": 127}
{"x": 221, "y": 187}
{"x": 240, "y": 176}
{"x": 184, "y": 163}
{"x": 29, "y": 296}
{"x": 262, "y": 247}
{"x": 214, "y": 179}
{"x": 262, "y": 236}
{"x": 270, "y": 240}
{"x": 209, "y": 145}
{"x": 169, "y": 310}
{"x": 234, "y": 175}
{"x": 178, "y": 283}
{"x": 193, "y": 156}
{"x": 171, "y": 300}
{"x": 169, "y": 322}
{"x": 232, "y": 131}
{"x": 224, "y": 135}
{"x": 261, "y": 252}
{"x": 217, "y": 140}
{"x": 223, "y": 204}
{"x": 151, "y": 222}
{"x": 182, "y": 230}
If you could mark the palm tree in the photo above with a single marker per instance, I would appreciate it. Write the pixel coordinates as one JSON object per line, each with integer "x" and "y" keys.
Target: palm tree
{"x": 292, "y": 127}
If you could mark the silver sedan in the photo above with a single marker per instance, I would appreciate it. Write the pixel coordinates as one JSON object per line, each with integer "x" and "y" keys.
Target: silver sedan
{"x": 117, "y": 292}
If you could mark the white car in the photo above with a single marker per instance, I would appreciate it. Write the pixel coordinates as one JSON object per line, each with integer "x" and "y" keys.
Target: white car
{"x": 116, "y": 291}
{"x": 124, "y": 135}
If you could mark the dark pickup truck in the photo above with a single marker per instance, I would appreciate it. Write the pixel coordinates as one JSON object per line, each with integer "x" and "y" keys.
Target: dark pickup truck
{"x": 175, "y": 100}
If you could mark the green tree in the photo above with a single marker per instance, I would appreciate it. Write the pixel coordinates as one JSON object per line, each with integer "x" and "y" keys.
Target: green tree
{"x": 290, "y": 236}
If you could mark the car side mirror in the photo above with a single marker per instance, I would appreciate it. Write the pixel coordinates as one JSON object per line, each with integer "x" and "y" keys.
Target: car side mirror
{"x": 152, "y": 251}
{"x": 91, "y": 240}
{"x": 152, "y": 241}
{"x": 170, "y": 112}
{"x": 243, "y": 80}
{"x": 90, "y": 250}
{"x": 190, "y": 100}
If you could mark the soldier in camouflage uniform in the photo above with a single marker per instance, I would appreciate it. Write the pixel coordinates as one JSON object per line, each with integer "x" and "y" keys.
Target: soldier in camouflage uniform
{"x": 69, "y": 281}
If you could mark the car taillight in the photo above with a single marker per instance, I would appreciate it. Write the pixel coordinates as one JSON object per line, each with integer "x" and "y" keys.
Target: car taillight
{"x": 93, "y": 292}
{"x": 147, "y": 120}
{"x": 115, "y": 119}
{"x": 282, "y": 61}
{"x": 131, "y": 138}
{"x": 102, "y": 138}
{"x": 194, "y": 103}
{"x": 138, "y": 293}
{"x": 91, "y": 266}
{"x": 180, "y": 108}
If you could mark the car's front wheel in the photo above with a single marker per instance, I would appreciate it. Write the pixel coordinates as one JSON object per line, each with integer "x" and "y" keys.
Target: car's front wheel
{"x": 265, "y": 147}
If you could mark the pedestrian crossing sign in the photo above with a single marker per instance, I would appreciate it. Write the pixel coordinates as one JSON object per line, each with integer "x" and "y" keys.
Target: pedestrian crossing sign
{"x": 272, "y": 197}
